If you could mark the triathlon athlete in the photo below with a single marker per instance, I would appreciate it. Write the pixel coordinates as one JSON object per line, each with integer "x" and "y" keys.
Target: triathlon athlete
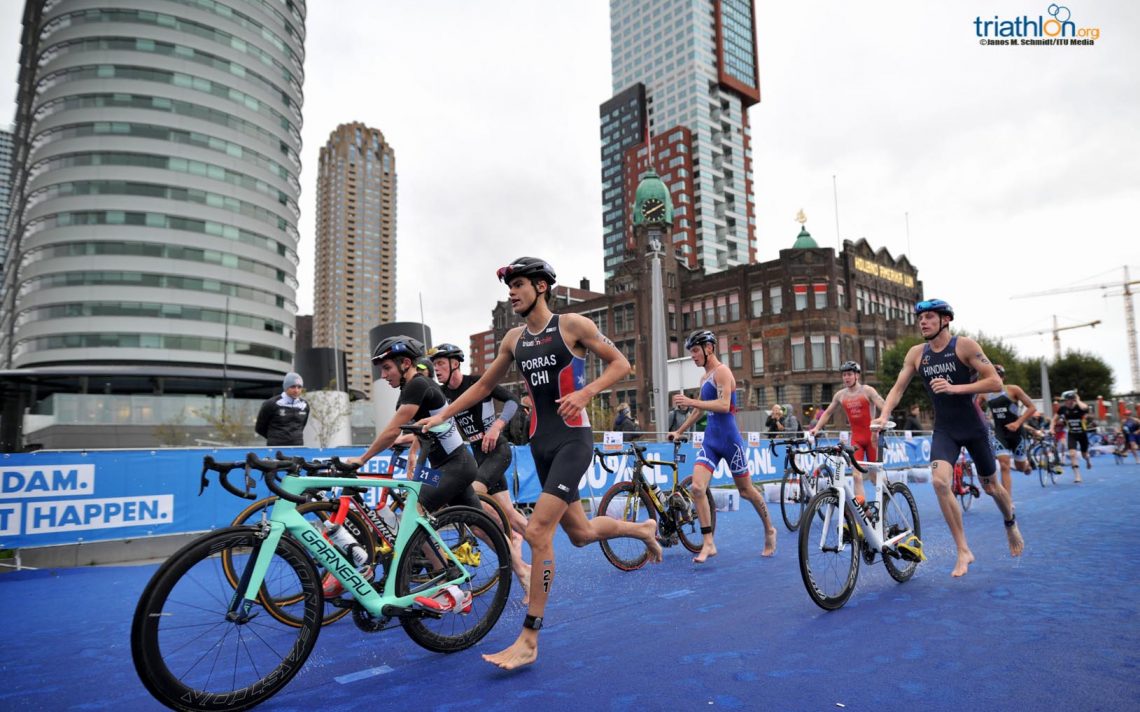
{"x": 717, "y": 397}
{"x": 550, "y": 352}
{"x": 1008, "y": 421}
{"x": 954, "y": 369}
{"x": 857, "y": 400}
{"x": 480, "y": 427}
{"x": 1072, "y": 413}
{"x": 1131, "y": 429}
{"x": 420, "y": 397}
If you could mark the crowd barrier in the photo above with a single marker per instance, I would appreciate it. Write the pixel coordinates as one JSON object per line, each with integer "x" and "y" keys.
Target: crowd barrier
{"x": 50, "y": 498}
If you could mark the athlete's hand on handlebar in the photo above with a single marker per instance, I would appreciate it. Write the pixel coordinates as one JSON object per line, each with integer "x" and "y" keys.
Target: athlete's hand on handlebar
{"x": 428, "y": 423}
{"x": 879, "y": 423}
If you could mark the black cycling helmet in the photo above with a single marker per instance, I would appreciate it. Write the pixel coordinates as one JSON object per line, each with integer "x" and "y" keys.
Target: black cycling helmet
{"x": 1000, "y": 369}
{"x": 527, "y": 267}
{"x": 700, "y": 336}
{"x": 851, "y": 366}
{"x": 1069, "y": 394}
{"x": 446, "y": 351}
{"x": 935, "y": 305}
{"x": 394, "y": 346}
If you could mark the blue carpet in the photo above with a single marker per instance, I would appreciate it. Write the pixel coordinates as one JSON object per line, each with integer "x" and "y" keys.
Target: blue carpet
{"x": 1057, "y": 629}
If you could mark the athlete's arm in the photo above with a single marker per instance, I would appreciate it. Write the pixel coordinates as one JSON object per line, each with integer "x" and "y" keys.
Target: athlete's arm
{"x": 874, "y": 397}
{"x": 725, "y": 387}
{"x": 387, "y": 437}
{"x": 971, "y": 354}
{"x": 1027, "y": 412}
{"x": 584, "y": 334}
{"x": 825, "y": 415}
{"x": 480, "y": 389}
{"x": 510, "y": 405}
{"x": 905, "y": 374}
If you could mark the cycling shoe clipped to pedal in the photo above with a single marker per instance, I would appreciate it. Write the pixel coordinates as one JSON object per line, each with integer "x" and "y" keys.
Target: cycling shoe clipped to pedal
{"x": 451, "y": 598}
{"x": 911, "y": 549}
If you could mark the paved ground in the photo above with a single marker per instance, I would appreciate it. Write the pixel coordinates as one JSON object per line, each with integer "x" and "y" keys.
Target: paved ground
{"x": 1057, "y": 629}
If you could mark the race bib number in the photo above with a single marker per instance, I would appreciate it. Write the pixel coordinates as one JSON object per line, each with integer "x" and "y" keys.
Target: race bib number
{"x": 428, "y": 476}
{"x": 753, "y": 439}
{"x": 612, "y": 440}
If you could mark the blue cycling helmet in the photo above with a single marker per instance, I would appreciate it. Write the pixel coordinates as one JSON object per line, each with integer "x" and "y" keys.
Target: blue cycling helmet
{"x": 935, "y": 305}
{"x": 446, "y": 351}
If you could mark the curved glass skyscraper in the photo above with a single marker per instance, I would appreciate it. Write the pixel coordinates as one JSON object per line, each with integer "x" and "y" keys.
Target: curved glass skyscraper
{"x": 155, "y": 195}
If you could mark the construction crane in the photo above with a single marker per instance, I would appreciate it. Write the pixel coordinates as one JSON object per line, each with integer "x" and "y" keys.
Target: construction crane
{"x": 1056, "y": 331}
{"x": 1129, "y": 316}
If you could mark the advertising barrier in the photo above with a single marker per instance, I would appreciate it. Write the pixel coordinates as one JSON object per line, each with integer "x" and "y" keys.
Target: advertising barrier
{"x": 50, "y": 498}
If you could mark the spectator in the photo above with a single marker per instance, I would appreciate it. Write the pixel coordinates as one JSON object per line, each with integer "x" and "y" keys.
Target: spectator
{"x": 281, "y": 420}
{"x": 775, "y": 423}
{"x": 912, "y": 422}
{"x": 625, "y": 422}
{"x": 791, "y": 422}
{"x": 518, "y": 431}
{"x": 677, "y": 417}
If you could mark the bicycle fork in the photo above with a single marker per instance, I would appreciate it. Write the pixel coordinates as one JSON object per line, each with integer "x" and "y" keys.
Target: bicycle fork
{"x": 240, "y": 610}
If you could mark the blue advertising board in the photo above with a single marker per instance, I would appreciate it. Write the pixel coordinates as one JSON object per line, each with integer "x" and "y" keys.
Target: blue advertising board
{"x": 65, "y": 497}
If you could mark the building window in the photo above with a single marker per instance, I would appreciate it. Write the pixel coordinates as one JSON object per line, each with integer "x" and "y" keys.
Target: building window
{"x": 775, "y": 353}
{"x": 721, "y": 309}
{"x": 870, "y": 362}
{"x": 775, "y": 300}
{"x": 818, "y": 354}
{"x": 734, "y": 307}
{"x": 799, "y": 356}
{"x": 781, "y": 393}
{"x": 833, "y": 341}
{"x": 757, "y": 357}
{"x": 806, "y": 398}
{"x": 757, "y": 303}
{"x": 820, "y": 291}
{"x": 800, "y": 291}
{"x": 760, "y": 398}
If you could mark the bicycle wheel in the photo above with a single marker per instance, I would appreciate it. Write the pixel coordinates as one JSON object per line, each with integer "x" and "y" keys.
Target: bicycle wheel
{"x": 625, "y": 501}
{"x": 966, "y": 494}
{"x": 421, "y": 567}
{"x": 186, "y": 651}
{"x": 689, "y": 526}
{"x": 900, "y": 514}
{"x": 793, "y": 498}
{"x": 1054, "y": 459}
{"x": 829, "y": 565}
{"x": 361, "y": 530}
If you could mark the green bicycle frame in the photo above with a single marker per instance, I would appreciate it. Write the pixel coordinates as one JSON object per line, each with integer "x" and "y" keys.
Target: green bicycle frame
{"x": 284, "y": 518}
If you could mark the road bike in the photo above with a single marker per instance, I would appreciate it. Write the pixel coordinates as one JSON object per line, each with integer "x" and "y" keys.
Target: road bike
{"x": 965, "y": 482}
{"x": 835, "y": 534}
{"x": 800, "y": 483}
{"x": 199, "y": 642}
{"x": 1044, "y": 458}
{"x": 638, "y": 499}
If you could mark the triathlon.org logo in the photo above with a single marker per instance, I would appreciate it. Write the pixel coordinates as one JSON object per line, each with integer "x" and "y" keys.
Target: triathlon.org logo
{"x": 1056, "y": 29}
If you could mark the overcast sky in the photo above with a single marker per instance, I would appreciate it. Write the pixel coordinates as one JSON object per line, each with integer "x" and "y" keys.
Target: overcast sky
{"x": 1019, "y": 166}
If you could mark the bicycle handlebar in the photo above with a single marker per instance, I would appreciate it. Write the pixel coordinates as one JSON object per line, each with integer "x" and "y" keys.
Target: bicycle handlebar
{"x": 223, "y": 469}
{"x": 269, "y": 468}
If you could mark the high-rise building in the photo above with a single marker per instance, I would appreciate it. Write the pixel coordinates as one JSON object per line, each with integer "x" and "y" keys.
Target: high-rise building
{"x": 691, "y": 65}
{"x": 5, "y": 183}
{"x": 356, "y": 245}
{"x": 155, "y": 200}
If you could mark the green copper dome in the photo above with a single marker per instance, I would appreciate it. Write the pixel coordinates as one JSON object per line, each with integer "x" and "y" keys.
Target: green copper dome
{"x": 652, "y": 204}
{"x": 804, "y": 239}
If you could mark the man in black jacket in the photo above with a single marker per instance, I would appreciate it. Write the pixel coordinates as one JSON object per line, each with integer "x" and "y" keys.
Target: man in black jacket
{"x": 281, "y": 420}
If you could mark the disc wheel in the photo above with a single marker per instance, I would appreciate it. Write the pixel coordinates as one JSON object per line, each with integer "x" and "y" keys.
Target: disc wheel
{"x": 625, "y": 501}
{"x": 689, "y": 525}
{"x": 475, "y": 539}
{"x": 829, "y": 552}
{"x": 191, "y": 655}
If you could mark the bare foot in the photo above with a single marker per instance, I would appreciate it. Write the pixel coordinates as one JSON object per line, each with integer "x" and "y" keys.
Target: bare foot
{"x": 1016, "y": 543}
{"x": 707, "y": 550}
{"x": 524, "y": 581}
{"x": 965, "y": 558}
{"x": 649, "y": 536}
{"x": 769, "y": 542}
{"x": 522, "y": 652}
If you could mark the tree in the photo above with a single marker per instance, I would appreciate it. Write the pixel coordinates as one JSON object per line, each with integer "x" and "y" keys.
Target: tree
{"x": 1088, "y": 374}
{"x": 892, "y": 363}
{"x": 232, "y": 426}
{"x": 330, "y": 413}
{"x": 173, "y": 433}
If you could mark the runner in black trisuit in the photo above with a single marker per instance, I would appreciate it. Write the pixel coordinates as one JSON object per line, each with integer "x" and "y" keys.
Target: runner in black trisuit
{"x": 421, "y": 397}
{"x": 954, "y": 369}
{"x": 480, "y": 427}
{"x": 1072, "y": 413}
{"x": 549, "y": 351}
